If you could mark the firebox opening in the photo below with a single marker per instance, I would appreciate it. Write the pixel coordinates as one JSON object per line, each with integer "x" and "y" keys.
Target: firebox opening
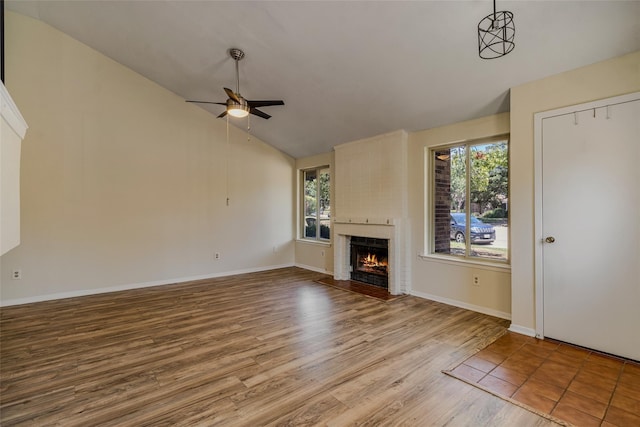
{"x": 370, "y": 261}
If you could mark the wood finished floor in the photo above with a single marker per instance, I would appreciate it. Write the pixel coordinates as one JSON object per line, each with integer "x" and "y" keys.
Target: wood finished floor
{"x": 270, "y": 348}
{"x": 360, "y": 288}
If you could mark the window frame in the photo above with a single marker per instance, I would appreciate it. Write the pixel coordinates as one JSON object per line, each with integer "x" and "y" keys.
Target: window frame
{"x": 430, "y": 217}
{"x": 302, "y": 217}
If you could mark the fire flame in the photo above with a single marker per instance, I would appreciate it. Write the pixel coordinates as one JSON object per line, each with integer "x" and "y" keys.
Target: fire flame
{"x": 371, "y": 260}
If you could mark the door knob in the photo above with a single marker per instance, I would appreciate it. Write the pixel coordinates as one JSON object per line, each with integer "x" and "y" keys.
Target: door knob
{"x": 550, "y": 239}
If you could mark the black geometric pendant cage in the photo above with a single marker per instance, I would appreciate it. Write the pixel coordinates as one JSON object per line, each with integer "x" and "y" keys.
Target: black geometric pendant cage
{"x": 495, "y": 34}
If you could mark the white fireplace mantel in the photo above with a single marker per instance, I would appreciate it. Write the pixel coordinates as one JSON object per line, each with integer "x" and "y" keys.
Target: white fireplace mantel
{"x": 365, "y": 221}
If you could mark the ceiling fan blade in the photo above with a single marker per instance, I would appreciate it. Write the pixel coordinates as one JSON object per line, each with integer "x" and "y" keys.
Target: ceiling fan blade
{"x": 264, "y": 103}
{"x": 259, "y": 113}
{"x": 232, "y": 95}
{"x": 224, "y": 113}
{"x": 207, "y": 102}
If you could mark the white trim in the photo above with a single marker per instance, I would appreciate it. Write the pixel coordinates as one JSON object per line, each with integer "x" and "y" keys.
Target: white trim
{"x": 538, "y": 182}
{"x": 428, "y": 191}
{"x": 466, "y": 262}
{"x": 461, "y": 304}
{"x": 126, "y": 287}
{"x": 366, "y": 221}
{"x": 316, "y": 269}
{"x": 325, "y": 243}
{"x": 538, "y": 267}
{"x": 522, "y": 330}
{"x": 11, "y": 114}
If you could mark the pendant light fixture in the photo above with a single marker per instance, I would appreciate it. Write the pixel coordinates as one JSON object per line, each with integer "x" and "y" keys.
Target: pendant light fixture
{"x": 495, "y": 34}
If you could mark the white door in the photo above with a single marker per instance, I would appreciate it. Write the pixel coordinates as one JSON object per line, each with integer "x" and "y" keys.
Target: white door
{"x": 591, "y": 228}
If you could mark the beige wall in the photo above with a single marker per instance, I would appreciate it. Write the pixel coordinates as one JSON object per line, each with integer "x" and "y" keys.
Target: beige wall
{"x": 317, "y": 256}
{"x": 371, "y": 178}
{"x": 443, "y": 279}
{"x": 617, "y": 76}
{"x": 124, "y": 184}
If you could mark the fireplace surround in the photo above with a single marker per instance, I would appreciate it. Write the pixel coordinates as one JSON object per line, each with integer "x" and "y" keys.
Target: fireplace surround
{"x": 390, "y": 229}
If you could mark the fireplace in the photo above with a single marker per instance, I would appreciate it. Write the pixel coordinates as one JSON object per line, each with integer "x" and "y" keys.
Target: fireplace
{"x": 370, "y": 260}
{"x": 390, "y": 230}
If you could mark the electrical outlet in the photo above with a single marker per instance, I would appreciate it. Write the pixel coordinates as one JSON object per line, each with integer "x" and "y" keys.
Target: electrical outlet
{"x": 322, "y": 253}
{"x": 217, "y": 255}
{"x": 275, "y": 249}
{"x": 16, "y": 274}
{"x": 476, "y": 281}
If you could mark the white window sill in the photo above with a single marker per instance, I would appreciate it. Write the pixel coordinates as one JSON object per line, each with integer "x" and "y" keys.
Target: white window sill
{"x": 314, "y": 242}
{"x": 466, "y": 262}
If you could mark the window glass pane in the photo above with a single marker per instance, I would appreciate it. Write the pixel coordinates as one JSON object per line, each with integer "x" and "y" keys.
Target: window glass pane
{"x": 470, "y": 200}
{"x": 310, "y": 222}
{"x": 324, "y": 207}
{"x": 488, "y": 194}
{"x": 449, "y": 197}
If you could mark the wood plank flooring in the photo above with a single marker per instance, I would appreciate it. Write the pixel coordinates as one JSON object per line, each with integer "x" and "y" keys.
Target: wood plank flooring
{"x": 360, "y": 288}
{"x": 270, "y": 348}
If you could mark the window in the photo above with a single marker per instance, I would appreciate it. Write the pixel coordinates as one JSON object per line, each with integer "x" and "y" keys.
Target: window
{"x": 470, "y": 185}
{"x": 316, "y": 212}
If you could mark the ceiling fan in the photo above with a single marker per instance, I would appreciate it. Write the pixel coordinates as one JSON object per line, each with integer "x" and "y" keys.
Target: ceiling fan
{"x": 237, "y": 106}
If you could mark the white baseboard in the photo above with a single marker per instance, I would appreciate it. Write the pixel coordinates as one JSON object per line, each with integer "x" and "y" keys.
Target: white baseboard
{"x": 85, "y": 292}
{"x": 461, "y": 304}
{"x": 316, "y": 269}
{"x": 522, "y": 330}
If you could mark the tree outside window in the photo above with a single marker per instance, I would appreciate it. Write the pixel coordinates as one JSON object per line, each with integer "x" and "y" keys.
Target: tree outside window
{"x": 470, "y": 185}
{"x": 316, "y": 221}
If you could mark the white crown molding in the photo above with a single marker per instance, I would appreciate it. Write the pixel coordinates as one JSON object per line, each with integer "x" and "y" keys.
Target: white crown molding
{"x": 10, "y": 112}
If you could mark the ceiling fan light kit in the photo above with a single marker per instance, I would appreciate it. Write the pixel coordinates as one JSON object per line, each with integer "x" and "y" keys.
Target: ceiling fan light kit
{"x": 237, "y": 110}
{"x": 237, "y": 105}
{"x": 496, "y": 32}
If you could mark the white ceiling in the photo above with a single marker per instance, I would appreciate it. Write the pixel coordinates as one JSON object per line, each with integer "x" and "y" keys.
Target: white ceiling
{"x": 346, "y": 70}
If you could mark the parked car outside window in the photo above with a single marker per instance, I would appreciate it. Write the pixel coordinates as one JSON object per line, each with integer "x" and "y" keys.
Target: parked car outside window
{"x": 480, "y": 232}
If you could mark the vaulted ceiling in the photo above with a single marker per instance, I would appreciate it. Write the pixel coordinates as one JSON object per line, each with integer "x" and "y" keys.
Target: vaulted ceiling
{"x": 346, "y": 70}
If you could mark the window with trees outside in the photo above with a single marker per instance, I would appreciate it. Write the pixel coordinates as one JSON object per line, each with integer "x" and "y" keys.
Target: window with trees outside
{"x": 316, "y": 212}
{"x": 470, "y": 185}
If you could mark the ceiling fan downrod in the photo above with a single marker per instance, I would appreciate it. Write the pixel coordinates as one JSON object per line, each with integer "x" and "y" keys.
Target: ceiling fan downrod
{"x": 237, "y": 55}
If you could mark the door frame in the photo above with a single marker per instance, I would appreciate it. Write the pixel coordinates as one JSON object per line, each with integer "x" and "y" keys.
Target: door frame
{"x": 538, "y": 180}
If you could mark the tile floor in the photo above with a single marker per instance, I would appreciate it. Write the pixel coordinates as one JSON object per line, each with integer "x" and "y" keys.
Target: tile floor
{"x": 576, "y": 385}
